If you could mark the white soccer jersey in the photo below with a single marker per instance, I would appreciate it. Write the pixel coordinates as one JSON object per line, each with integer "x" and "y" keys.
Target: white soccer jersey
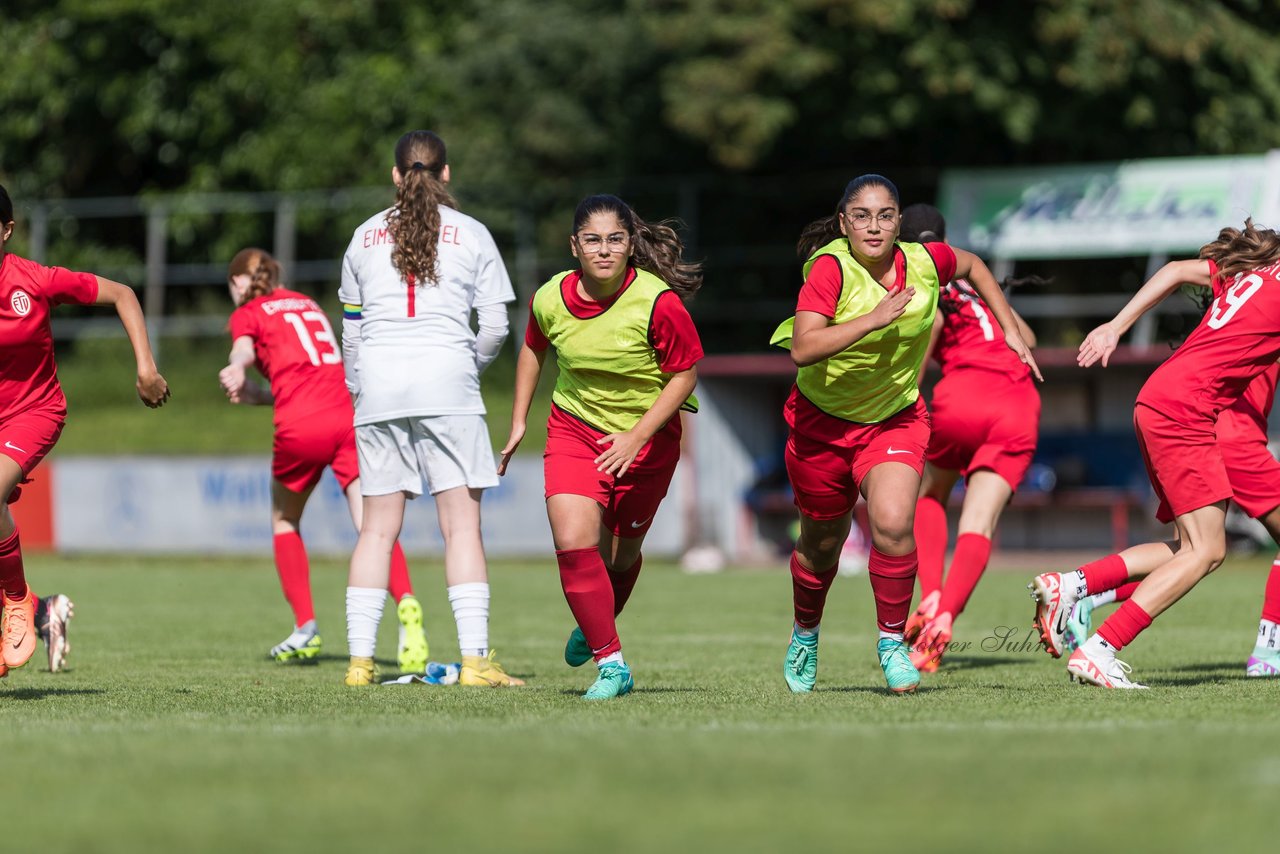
{"x": 417, "y": 348}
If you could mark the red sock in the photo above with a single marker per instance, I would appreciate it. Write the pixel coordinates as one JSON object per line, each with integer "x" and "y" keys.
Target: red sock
{"x": 809, "y": 592}
{"x": 1124, "y": 591}
{"x": 400, "y": 586}
{"x": 893, "y": 578}
{"x": 590, "y": 597}
{"x": 1271, "y": 594}
{"x": 1106, "y": 574}
{"x": 1124, "y": 625}
{"x": 12, "y": 580}
{"x": 967, "y": 566}
{"x": 295, "y": 575}
{"x": 623, "y": 583}
{"x": 931, "y": 543}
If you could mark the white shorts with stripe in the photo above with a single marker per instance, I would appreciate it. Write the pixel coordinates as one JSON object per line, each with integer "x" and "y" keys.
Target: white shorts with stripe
{"x": 440, "y": 451}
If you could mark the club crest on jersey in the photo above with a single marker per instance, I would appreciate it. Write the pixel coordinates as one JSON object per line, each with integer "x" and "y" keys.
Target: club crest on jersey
{"x": 20, "y": 303}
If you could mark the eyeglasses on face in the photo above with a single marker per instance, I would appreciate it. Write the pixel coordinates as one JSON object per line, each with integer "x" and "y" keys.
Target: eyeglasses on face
{"x": 862, "y": 219}
{"x": 616, "y": 242}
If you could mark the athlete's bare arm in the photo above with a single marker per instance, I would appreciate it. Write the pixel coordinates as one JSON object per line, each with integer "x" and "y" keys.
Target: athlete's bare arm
{"x": 814, "y": 337}
{"x": 234, "y": 378}
{"x": 1099, "y": 344}
{"x": 624, "y": 447}
{"x": 528, "y": 370}
{"x": 151, "y": 386}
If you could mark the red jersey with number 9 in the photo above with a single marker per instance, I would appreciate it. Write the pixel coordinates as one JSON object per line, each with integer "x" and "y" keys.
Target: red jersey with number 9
{"x": 297, "y": 352}
{"x": 1238, "y": 338}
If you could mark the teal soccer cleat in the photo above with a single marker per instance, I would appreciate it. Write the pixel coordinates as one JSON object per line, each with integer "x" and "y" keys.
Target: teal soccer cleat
{"x": 576, "y": 651}
{"x": 614, "y": 681}
{"x": 800, "y": 668}
{"x": 1079, "y": 624}
{"x": 895, "y": 661}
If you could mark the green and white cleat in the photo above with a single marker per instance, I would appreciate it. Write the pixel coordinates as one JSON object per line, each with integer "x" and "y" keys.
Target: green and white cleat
{"x": 1263, "y": 663}
{"x": 303, "y": 645}
{"x": 614, "y": 681}
{"x": 412, "y": 656}
{"x": 1079, "y": 624}
{"x": 576, "y": 650}
{"x": 800, "y": 668}
{"x": 895, "y": 660}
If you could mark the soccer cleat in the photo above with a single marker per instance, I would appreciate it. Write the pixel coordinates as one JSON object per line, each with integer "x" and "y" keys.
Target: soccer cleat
{"x": 1079, "y": 624}
{"x": 1108, "y": 672}
{"x": 412, "y": 657}
{"x": 52, "y": 615}
{"x": 576, "y": 650}
{"x": 899, "y": 673}
{"x": 302, "y": 645}
{"x": 485, "y": 671}
{"x": 1053, "y": 608}
{"x": 926, "y": 611}
{"x": 18, "y": 629}
{"x": 800, "y": 668}
{"x": 361, "y": 672}
{"x": 1263, "y": 662}
{"x": 926, "y": 653}
{"x": 614, "y": 681}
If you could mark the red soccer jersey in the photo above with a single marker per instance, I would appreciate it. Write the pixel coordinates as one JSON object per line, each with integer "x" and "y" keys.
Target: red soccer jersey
{"x": 28, "y": 375}
{"x": 1258, "y": 397}
{"x": 971, "y": 336}
{"x": 1236, "y": 340}
{"x": 296, "y": 351}
{"x": 671, "y": 330}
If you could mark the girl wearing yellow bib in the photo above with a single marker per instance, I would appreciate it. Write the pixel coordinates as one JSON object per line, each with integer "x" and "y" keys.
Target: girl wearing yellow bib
{"x": 626, "y": 350}
{"x": 859, "y": 338}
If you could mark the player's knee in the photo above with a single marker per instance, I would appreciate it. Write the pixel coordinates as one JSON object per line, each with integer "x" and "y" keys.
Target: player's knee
{"x": 892, "y": 531}
{"x": 821, "y": 550}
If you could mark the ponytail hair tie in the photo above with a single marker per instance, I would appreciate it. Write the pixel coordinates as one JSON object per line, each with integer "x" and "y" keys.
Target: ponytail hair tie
{"x": 418, "y": 165}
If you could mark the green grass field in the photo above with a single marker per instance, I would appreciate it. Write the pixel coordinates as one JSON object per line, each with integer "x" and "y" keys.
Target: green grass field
{"x": 173, "y": 732}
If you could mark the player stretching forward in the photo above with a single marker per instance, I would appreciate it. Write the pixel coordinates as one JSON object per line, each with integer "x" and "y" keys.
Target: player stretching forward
{"x": 288, "y": 338}
{"x": 411, "y": 277}
{"x": 33, "y": 408}
{"x": 626, "y": 349}
{"x": 1176, "y": 419}
{"x": 858, "y": 426}
{"x": 989, "y": 445}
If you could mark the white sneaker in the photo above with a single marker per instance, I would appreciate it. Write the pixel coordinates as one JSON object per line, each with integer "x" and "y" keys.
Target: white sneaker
{"x": 58, "y": 611}
{"x": 1054, "y": 601}
{"x": 1105, "y": 671}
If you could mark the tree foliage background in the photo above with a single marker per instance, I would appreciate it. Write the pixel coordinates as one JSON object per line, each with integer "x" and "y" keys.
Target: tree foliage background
{"x": 748, "y": 115}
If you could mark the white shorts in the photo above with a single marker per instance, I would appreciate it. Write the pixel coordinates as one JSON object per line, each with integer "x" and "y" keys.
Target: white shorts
{"x": 444, "y": 451}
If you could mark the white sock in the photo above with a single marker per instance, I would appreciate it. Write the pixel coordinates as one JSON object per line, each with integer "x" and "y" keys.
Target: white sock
{"x": 364, "y": 612}
{"x": 1097, "y": 647}
{"x": 611, "y": 658}
{"x": 1106, "y": 597}
{"x": 1074, "y": 586}
{"x": 1268, "y": 636}
{"x": 806, "y": 633}
{"x": 898, "y": 636}
{"x": 471, "y": 612}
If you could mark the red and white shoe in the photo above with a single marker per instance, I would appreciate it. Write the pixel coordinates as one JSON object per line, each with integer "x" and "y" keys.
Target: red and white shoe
{"x": 1053, "y": 609}
{"x": 1105, "y": 672}
{"x": 925, "y": 611}
{"x": 926, "y": 653}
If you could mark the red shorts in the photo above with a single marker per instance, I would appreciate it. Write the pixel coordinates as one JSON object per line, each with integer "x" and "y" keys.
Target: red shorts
{"x": 982, "y": 420}
{"x": 302, "y": 450}
{"x": 26, "y": 438}
{"x": 1184, "y": 463}
{"x": 631, "y": 501}
{"x": 827, "y": 478}
{"x": 1253, "y": 472}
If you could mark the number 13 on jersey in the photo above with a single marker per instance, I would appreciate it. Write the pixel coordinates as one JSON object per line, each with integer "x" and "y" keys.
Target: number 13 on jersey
{"x": 321, "y": 346}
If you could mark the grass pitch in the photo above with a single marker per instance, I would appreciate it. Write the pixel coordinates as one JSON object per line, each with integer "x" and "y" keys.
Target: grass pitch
{"x": 172, "y": 731}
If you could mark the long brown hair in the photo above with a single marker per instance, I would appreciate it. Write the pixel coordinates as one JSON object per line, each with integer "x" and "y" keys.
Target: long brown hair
{"x": 1237, "y": 251}
{"x": 656, "y": 245}
{"x": 820, "y": 232}
{"x": 262, "y": 268}
{"x": 414, "y": 221}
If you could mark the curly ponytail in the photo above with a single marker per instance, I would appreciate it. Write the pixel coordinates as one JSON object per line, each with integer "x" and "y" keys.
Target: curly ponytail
{"x": 414, "y": 221}
{"x": 262, "y": 269}
{"x": 657, "y": 248}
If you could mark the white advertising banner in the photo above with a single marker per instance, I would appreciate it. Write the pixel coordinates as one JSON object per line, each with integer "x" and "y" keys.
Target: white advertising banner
{"x": 223, "y": 505}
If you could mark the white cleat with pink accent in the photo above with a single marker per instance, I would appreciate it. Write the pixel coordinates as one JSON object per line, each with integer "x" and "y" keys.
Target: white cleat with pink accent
{"x": 1105, "y": 671}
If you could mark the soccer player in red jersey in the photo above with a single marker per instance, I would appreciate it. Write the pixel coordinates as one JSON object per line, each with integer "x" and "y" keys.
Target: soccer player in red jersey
{"x": 627, "y": 352}
{"x": 289, "y": 339}
{"x": 989, "y": 445}
{"x": 858, "y": 426}
{"x": 1176, "y": 419}
{"x": 33, "y": 408}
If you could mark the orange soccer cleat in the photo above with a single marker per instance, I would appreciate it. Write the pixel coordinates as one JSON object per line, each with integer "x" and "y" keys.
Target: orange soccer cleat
{"x": 925, "y": 611}
{"x": 18, "y": 629}
{"x": 926, "y": 653}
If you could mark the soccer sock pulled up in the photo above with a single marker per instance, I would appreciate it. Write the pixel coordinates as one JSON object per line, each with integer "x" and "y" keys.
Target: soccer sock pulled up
{"x": 364, "y": 612}
{"x": 588, "y": 591}
{"x": 967, "y": 565}
{"x": 623, "y": 583}
{"x": 931, "y": 543}
{"x": 470, "y": 604}
{"x": 13, "y": 581}
{"x": 893, "y": 579}
{"x": 809, "y": 590}
{"x": 1271, "y": 595}
{"x": 1107, "y": 573}
{"x": 1124, "y": 625}
{"x": 399, "y": 585}
{"x": 295, "y": 575}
